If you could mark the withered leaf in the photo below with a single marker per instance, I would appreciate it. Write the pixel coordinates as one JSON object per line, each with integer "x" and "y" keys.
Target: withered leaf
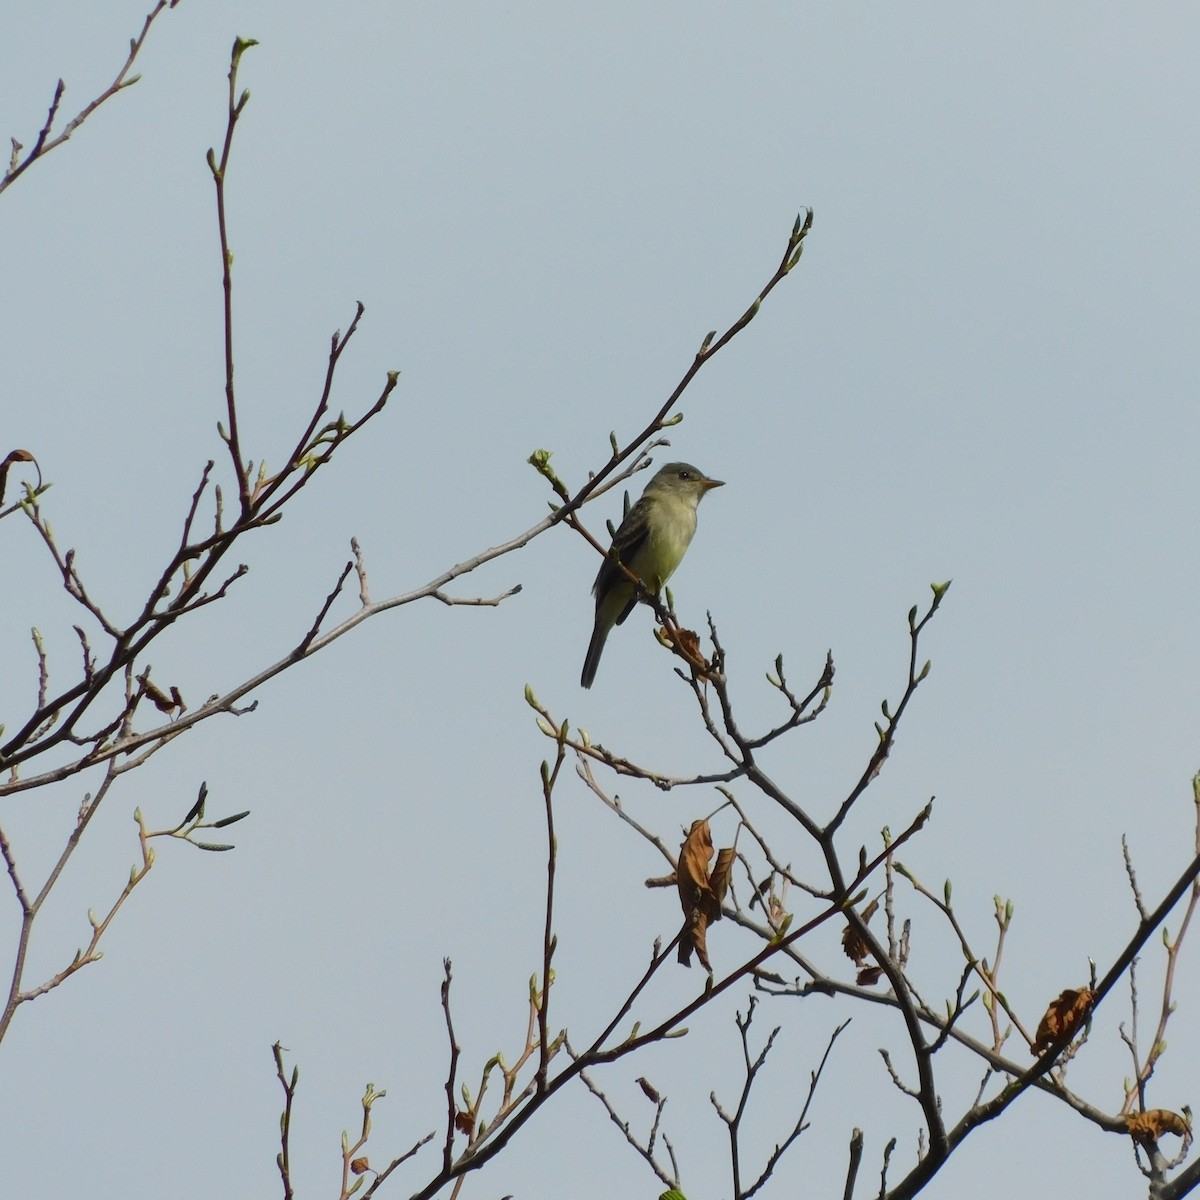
{"x": 13, "y": 457}
{"x": 689, "y": 642}
{"x": 853, "y": 943}
{"x": 359, "y": 1165}
{"x": 721, "y": 874}
{"x": 694, "y": 854}
{"x": 854, "y": 946}
{"x": 464, "y": 1122}
{"x": 1062, "y": 1018}
{"x": 869, "y": 976}
{"x": 159, "y": 698}
{"x": 1149, "y": 1126}
{"x": 651, "y": 1091}
{"x": 699, "y": 892}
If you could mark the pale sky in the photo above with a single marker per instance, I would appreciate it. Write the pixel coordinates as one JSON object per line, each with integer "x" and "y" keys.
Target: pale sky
{"x": 985, "y": 367}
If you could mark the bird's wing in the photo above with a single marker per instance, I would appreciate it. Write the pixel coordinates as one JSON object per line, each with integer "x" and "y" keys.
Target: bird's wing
{"x": 630, "y": 538}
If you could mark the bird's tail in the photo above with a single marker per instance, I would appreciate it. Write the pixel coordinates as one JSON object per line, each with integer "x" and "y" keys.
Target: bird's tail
{"x": 594, "y": 650}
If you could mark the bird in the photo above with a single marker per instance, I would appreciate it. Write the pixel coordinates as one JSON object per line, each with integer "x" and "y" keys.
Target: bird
{"x": 651, "y": 542}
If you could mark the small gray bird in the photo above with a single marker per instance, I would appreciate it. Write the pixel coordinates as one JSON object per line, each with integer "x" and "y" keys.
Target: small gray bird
{"x": 651, "y": 542}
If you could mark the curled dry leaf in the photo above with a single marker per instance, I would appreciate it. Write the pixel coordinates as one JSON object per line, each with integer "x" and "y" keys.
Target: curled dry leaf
{"x": 359, "y": 1166}
{"x": 159, "y": 698}
{"x": 14, "y": 456}
{"x": 1151, "y": 1125}
{"x": 464, "y": 1122}
{"x": 700, "y": 892}
{"x": 869, "y": 976}
{"x": 689, "y": 642}
{"x": 685, "y": 643}
{"x": 1062, "y": 1018}
{"x": 721, "y": 874}
{"x": 854, "y": 946}
{"x": 852, "y": 941}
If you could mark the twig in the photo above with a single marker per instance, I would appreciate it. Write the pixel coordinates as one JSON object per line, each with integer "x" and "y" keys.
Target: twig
{"x": 45, "y": 143}
{"x": 283, "y": 1159}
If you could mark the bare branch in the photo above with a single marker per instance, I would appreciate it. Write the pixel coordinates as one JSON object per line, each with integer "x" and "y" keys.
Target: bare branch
{"x": 45, "y": 143}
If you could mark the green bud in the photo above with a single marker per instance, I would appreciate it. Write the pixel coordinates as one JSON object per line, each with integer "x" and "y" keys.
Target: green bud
{"x": 676, "y": 419}
{"x": 946, "y": 890}
{"x": 925, "y": 669}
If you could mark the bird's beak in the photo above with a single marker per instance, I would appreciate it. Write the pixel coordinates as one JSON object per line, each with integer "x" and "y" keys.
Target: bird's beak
{"x": 709, "y": 484}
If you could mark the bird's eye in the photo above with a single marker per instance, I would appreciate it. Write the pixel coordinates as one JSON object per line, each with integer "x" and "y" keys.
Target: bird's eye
{"x": 685, "y": 474}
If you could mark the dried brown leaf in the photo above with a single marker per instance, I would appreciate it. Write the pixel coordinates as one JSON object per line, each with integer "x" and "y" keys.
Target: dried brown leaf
{"x": 722, "y": 872}
{"x": 869, "y": 976}
{"x": 688, "y": 642}
{"x": 464, "y": 1122}
{"x": 14, "y": 457}
{"x": 695, "y": 937}
{"x": 699, "y": 892}
{"x": 1062, "y": 1018}
{"x": 359, "y": 1165}
{"x": 1151, "y": 1125}
{"x": 854, "y": 946}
